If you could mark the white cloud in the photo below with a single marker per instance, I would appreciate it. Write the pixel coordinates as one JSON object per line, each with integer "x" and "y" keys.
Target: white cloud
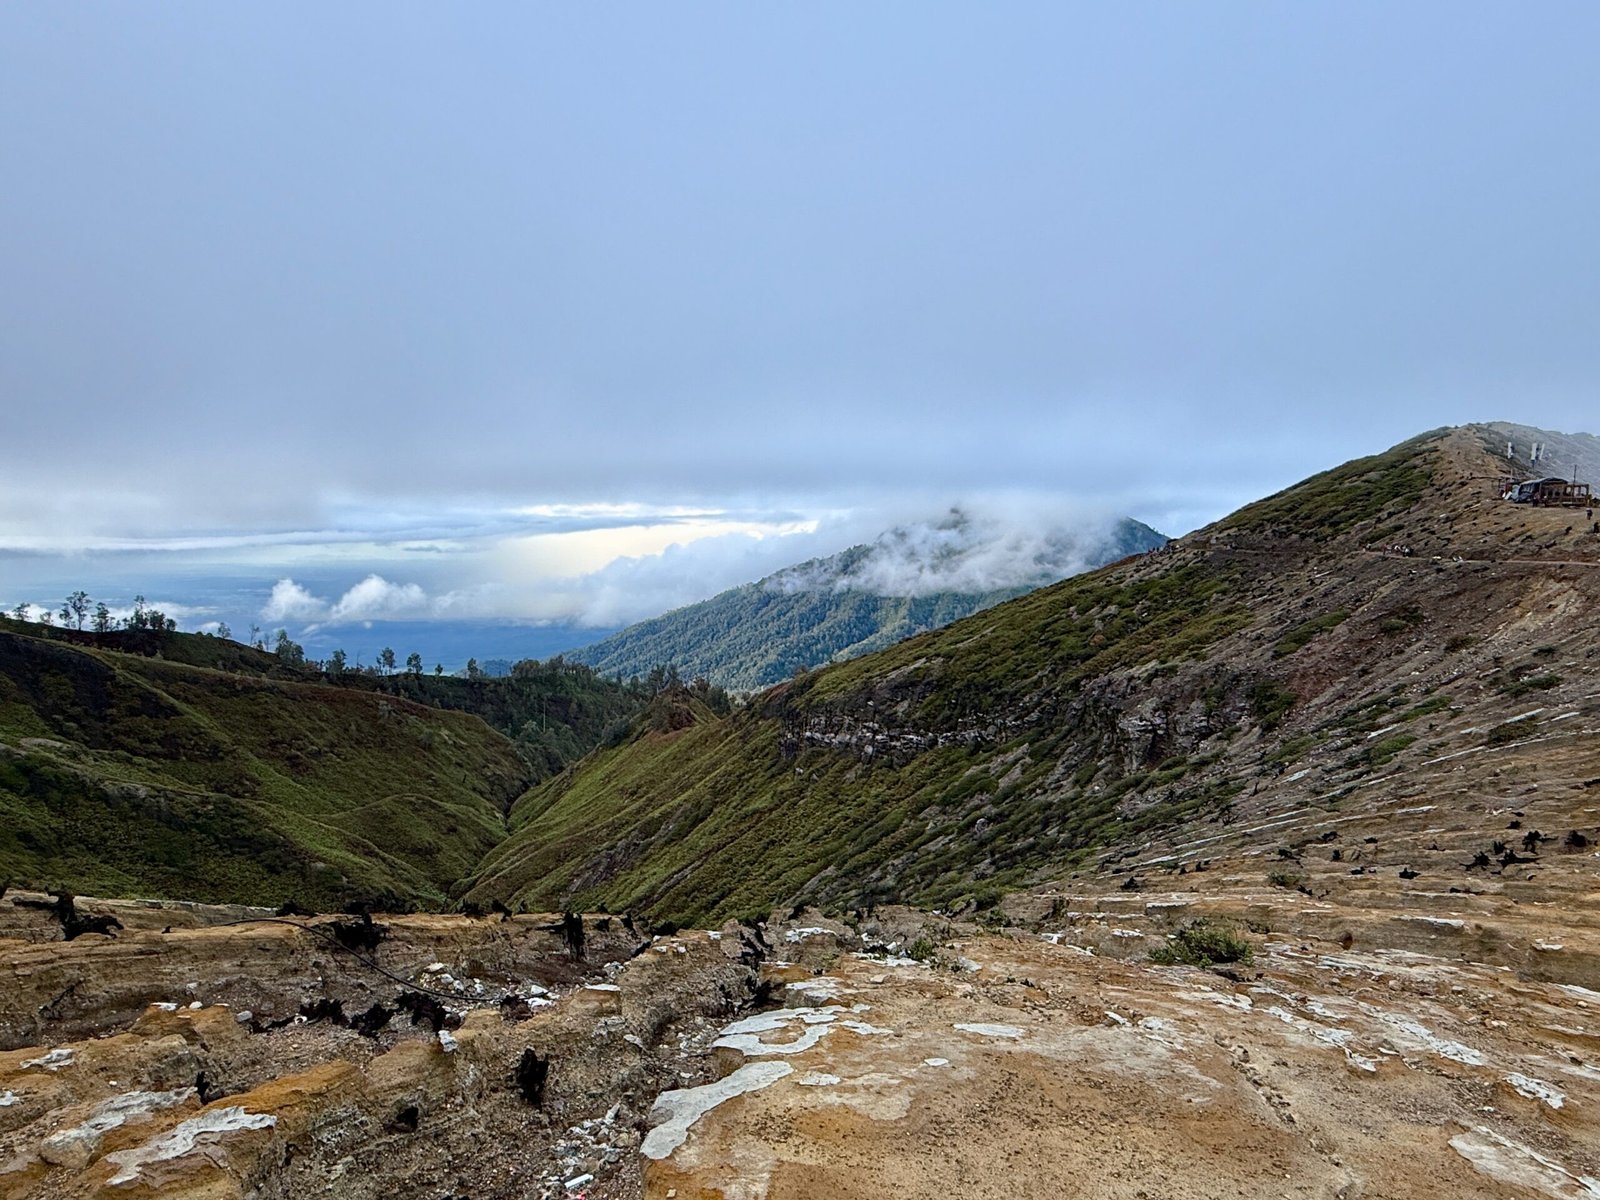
{"x": 373, "y": 599}
{"x": 377, "y": 599}
{"x": 291, "y": 602}
{"x": 1017, "y": 542}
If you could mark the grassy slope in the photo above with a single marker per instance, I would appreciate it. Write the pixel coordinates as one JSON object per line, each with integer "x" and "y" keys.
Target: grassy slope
{"x": 958, "y": 763}
{"x": 155, "y": 777}
{"x": 554, "y": 712}
{"x": 732, "y": 816}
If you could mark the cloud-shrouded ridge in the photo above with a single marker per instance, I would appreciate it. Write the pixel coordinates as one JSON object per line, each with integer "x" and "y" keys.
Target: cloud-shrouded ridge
{"x": 977, "y": 547}
{"x": 964, "y": 551}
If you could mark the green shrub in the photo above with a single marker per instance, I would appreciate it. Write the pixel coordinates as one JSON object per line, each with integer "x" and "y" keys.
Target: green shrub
{"x": 1367, "y": 489}
{"x": 1203, "y": 943}
{"x": 1432, "y": 705}
{"x": 1306, "y": 630}
{"x": 1270, "y": 702}
{"x": 1533, "y": 683}
{"x": 1381, "y": 752}
{"x": 1508, "y": 732}
{"x": 1293, "y": 749}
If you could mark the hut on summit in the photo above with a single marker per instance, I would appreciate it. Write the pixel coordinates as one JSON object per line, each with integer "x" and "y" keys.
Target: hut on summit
{"x": 1552, "y": 491}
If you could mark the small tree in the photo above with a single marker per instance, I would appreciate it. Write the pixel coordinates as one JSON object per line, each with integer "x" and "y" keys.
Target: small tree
{"x": 102, "y": 618}
{"x": 21, "y": 611}
{"x": 386, "y": 660}
{"x": 154, "y": 620}
{"x": 336, "y": 663}
{"x": 76, "y": 609}
{"x": 223, "y": 631}
{"x": 414, "y": 665}
{"x": 289, "y": 651}
{"x": 438, "y": 668}
{"x": 472, "y": 669}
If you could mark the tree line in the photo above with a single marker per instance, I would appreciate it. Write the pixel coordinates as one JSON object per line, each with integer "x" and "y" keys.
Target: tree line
{"x": 79, "y": 610}
{"x": 76, "y": 611}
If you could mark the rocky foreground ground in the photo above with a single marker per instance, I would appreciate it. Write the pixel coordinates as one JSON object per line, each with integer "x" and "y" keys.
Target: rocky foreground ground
{"x": 1411, "y": 1043}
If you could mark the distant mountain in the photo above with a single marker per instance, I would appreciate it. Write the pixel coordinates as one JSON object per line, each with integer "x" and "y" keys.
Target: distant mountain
{"x": 910, "y": 579}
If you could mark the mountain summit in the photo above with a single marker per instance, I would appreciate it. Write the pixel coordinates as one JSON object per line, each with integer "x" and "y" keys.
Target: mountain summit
{"x": 912, "y": 578}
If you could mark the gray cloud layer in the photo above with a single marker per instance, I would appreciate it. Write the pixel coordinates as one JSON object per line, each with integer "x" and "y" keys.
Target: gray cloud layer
{"x": 286, "y": 278}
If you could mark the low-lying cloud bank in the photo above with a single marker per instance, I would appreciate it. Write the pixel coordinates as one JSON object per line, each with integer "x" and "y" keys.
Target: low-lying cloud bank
{"x": 975, "y": 547}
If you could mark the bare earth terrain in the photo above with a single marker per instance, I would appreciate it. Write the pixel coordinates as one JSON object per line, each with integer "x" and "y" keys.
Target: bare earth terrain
{"x": 1028, "y": 1062}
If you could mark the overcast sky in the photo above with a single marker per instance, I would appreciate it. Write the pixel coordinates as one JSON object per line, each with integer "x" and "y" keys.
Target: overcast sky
{"x": 317, "y": 291}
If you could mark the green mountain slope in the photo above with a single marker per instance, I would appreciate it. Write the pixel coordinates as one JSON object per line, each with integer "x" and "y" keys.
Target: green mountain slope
{"x": 848, "y": 604}
{"x": 1160, "y": 693}
{"x": 554, "y": 711}
{"x": 122, "y": 774}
